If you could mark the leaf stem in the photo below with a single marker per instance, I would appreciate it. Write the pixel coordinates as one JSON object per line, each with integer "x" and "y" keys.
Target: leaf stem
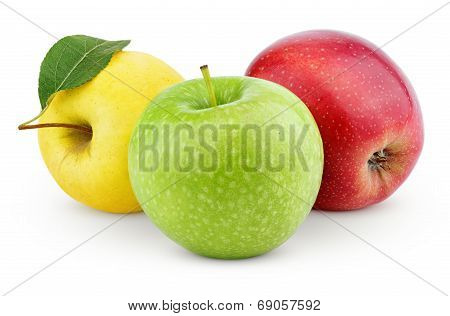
{"x": 209, "y": 86}
{"x": 33, "y": 119}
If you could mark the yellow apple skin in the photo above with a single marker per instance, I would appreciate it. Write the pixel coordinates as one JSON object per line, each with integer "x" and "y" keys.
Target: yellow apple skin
{"x": 94, "y": 169}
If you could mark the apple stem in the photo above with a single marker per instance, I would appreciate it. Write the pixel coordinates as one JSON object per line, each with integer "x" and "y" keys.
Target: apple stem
{"x": 27, "y": 125}
{"x": 81, "y": 128}
{"x": 209, "y": 86}
{"x": 379, "y": 160}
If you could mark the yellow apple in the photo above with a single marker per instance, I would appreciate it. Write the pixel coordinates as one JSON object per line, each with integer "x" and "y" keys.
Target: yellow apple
{"x": 93, "y": 167}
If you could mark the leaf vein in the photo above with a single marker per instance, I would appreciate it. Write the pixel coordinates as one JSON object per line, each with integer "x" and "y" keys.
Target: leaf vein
{"x": 76, "y": 65}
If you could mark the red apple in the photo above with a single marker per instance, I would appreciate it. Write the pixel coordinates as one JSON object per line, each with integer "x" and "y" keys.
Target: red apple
{"x": 365, "y": 107}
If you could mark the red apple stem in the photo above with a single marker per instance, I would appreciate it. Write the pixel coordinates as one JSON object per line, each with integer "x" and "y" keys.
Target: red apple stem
{"x": 379, "y": 160}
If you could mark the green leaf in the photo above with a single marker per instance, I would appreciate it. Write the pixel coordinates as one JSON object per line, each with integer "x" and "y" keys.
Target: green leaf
{"x": 73, "y": 61}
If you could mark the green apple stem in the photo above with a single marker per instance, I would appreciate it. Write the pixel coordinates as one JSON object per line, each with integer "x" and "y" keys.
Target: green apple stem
{"x": 209, "y": 86}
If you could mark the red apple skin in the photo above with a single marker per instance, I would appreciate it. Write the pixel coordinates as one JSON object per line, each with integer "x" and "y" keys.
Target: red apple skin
{"x": 362, "y": 103}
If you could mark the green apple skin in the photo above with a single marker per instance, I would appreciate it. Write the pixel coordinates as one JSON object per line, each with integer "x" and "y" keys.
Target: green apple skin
{"x": 225, "y": 213}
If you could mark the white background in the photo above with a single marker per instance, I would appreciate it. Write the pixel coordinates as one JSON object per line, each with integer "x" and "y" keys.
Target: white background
{"x": 132, "y": 260}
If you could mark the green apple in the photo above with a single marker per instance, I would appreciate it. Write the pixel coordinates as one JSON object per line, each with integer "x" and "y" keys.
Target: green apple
{"x": 227, "y": 167}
